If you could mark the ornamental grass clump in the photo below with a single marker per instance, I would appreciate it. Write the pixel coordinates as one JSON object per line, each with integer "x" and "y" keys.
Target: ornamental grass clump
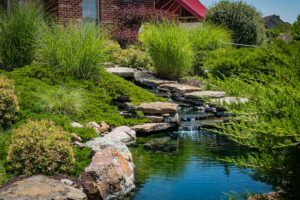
{"x": 40, "y": 147}
{"x": 209, "y": 37}
{"x": 77, "y": 50}
{"x": 63, "y": 101}
{"x": 9, "y": 105}
{"x": 170, "y": 49}
{"x": 18, "y": 30}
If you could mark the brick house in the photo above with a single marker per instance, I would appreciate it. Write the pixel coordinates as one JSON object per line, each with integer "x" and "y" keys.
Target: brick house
{"x": 103, "y": 11}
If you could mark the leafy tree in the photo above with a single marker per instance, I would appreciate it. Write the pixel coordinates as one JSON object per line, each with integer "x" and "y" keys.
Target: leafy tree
{"x": 243, "y": 20}
{"x": 296, "y": 29}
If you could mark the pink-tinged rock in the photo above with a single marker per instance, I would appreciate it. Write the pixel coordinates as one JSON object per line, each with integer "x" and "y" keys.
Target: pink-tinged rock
{"x": 109, "y": 176}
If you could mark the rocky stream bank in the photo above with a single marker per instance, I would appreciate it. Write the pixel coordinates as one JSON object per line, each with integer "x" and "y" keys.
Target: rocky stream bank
{"x": 110, "y": 174}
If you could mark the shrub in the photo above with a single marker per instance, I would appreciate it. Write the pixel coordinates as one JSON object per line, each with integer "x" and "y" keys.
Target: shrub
{"x": 63, "y": 101}
{"x": 40, "y": 147}
{"x": 132, "y": 56}
{"x": 130, "y": 19}
{"x": 18, "y": 30}
{"x": 170, "y": 49}
{"x": 243, "y": 20}
{"x": 8, "y": 102}
{"x": 77, "y": 50}
{"x": 296, "y": 29}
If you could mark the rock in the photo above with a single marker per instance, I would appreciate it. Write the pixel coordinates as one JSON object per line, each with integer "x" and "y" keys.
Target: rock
{"x": 122, "y": 134}
{"x": 180, "y": 88}
{"x": 76, "y": 125}
{"x": 95, "y": 126}
{"x": 76, "y": 143}
{"x": 230, "y": 100}
{"x": 205, "y": 94}
{"x": 75, "y": 137}
{"x": 153, "y": 127}
{"x": 67, "y": 182}
{"x": 266, "y": 196}
{"x": 41, "y": 188}
{"x": 109, "y": 176}
{"x": 146, "y": 79}
{"x": 158, "y": 108}
{"x": 155, "y": 119}
{"x": 165, "y": 144}
{"x": 100, "y": 143}
{"x": 174, "y": 119}
{"x": 124, "y": 72}
{"x": 104, "y": 127}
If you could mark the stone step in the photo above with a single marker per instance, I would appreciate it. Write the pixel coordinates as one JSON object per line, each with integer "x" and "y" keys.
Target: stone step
{"x": 155, "y": 108}
{"x": 205, "y": 94}
{"x": 153, "y": 127}
{"x": 230, "y": 100}
{"x": 148, "y": 80}
{"x": 179, "y": 88}
{"x": 124, "y": 72}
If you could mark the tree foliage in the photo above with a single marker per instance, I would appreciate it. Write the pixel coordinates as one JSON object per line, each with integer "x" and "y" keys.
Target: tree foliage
{"x": 296, "y": 29}
{"x": 243, "y": 20}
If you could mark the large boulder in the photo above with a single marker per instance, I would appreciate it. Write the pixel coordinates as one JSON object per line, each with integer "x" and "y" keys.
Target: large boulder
{"x": 109, "y": 176}
{"x": 41, "y": 188}
{"x": 158, "y": 108}
{"x": 101, "y": 143}
{"x": 122, "y": 134}
{"x": 124, "y": 72}
{"x": 153, "y": 127}
{"x": 179, "y": 88}
{"x": 146, "y": 79}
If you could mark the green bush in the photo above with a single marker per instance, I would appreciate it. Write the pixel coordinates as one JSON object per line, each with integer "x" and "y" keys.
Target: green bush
{"x": 296, "y": 29}
{"x": 18, "y": 30}
{"x": 77, "y": 50}
{"x": 63, "y": 101}
{"x": 170, "y": 49}
{"x": 243, "y": 20}
{"x": 8, "y": 102}
{"x": 40, "y": 147}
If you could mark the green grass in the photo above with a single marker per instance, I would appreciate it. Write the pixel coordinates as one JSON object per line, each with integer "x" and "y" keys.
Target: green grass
{"x": 77, "y": 50}
{"x": 19, "y": 29}
{"x": 170, "y": 49}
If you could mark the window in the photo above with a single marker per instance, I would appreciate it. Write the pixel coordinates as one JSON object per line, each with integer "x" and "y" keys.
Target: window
{"x": 90, "y": 11}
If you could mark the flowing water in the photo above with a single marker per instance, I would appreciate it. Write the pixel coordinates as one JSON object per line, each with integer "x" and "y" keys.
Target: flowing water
{"x": 194, "y": 171}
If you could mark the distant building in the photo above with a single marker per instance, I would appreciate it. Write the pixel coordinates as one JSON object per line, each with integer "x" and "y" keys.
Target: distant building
{"x": 104, "y": 11}
{"x": 273, "y": 21}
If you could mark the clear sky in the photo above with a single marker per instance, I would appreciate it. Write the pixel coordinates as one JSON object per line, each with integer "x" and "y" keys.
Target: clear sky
{"x": 287, "y": 9}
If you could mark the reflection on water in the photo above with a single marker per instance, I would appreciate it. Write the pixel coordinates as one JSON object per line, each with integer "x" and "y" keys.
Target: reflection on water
{"x": 194, "y": 172}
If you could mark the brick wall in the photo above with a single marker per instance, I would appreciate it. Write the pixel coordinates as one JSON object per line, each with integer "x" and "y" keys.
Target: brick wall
{"x": 69, "y": 10}
{"x": 109, "y": 8}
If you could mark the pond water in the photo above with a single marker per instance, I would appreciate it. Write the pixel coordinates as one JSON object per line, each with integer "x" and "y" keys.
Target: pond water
{"x": 194, "y": 171}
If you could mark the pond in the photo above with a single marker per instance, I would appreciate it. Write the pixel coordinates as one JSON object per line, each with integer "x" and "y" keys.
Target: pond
{"x": 194, "y": 171}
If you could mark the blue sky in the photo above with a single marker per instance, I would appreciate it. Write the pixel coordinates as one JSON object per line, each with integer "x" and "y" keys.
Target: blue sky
{"x": 287, "y": 9}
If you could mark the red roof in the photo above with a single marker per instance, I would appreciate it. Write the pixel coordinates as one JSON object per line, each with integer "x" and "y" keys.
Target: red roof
{"x": 195, "y": 7}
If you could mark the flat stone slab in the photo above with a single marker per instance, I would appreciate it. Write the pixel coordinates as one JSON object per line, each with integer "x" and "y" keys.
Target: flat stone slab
{"x": 230, "y": 100}
{"x": 180, "y": 88}
{"x": 146, "y": 79}
{"x": 155, "y": 119}
{"x": 158, "y": 108}
{"x": 41, "y": 188}
{"x": 205, "y": 94}
{"x": 124, "y": 72}
{"x": 153, "y": 127}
